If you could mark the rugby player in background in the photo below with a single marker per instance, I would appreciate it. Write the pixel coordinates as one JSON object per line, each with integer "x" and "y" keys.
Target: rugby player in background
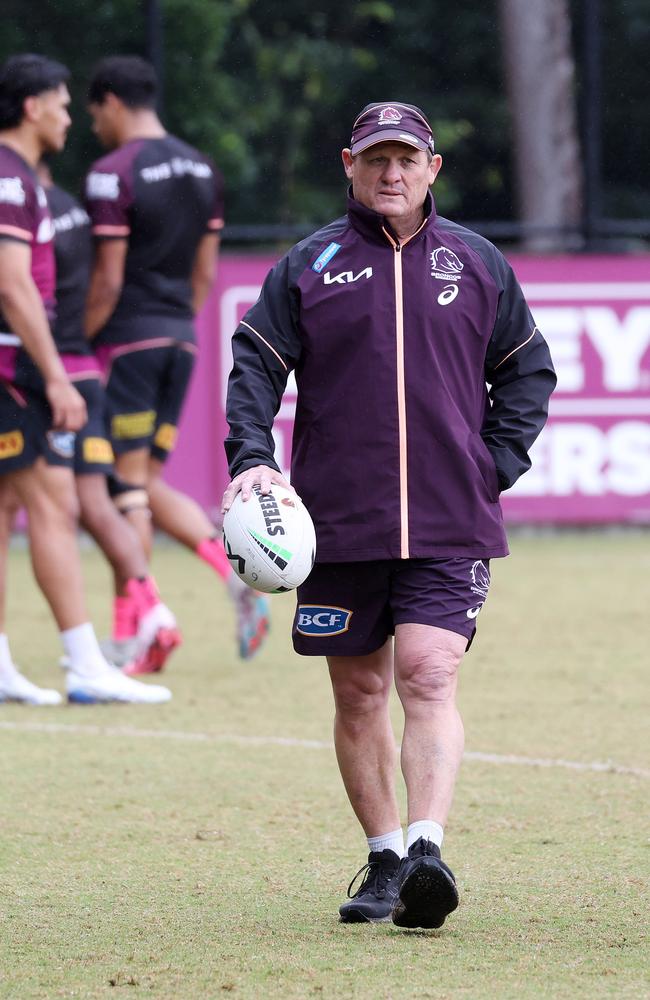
{"x": 144, "y": 629}
{"x": 40, "y": 410}
{"x": 156, "y": 208}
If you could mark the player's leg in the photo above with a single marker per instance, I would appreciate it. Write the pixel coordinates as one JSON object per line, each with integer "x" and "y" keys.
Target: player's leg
{"x": 132, "y": 467}
{"x": 179, "y": 516}
{"x": 38, "y": 464}
{"x": 48, "y": 493}
{"x": 14, "y": 686}
{"x": 144, "y": 630}
{"x": 183, "y": 519}
{"x": 115, "y": 536}
{"x": 132, "y": 393}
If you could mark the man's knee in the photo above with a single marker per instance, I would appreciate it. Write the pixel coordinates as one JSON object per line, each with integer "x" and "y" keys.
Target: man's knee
{"x": 359, "y": 692}
{"x": 128, "y": 497}
{"x": 429, "y": 674}
{"x": 49, "y": 496}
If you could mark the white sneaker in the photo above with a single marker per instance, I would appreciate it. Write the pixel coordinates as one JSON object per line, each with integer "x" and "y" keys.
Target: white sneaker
{"x": 110, "y": 685}
{"x": 15, "y": 687}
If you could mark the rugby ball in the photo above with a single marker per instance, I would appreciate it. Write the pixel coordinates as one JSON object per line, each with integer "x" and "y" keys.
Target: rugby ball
{"x": 270, "y": 540}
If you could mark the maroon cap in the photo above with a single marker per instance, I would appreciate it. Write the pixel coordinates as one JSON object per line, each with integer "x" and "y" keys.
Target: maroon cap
{"x": 391, "y": 122}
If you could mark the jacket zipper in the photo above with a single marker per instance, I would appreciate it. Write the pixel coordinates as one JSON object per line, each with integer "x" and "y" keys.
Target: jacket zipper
{"x": 401, "y": 398}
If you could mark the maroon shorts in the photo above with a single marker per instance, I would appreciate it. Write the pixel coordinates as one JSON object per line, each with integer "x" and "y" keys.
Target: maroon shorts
{"x": 350, "y": 609}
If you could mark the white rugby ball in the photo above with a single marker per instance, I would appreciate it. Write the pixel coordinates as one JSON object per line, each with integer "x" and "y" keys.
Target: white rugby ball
{"x": 270, "y": 540}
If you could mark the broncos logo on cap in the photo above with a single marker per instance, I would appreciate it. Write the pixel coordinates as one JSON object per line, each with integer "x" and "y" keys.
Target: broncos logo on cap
{"x": 389, "y": 115}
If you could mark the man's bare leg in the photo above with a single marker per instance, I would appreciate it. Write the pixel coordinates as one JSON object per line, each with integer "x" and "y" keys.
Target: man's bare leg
{"x": 14, "y": 686}
{"x": 426, "y": 671}
{"x": 426, "y": 675}
{"x": 115, "y": 535}
{"x": 175, "y": 513}
{"x": 48, "y": 493}
{"x": 363, "y": 736}
{"x": 133, "y": 468}
{"x": 9, "y": 504}
{"x": 145, "y": 632}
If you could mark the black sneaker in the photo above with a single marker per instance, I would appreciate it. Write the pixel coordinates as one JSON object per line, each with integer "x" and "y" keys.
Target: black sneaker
{"x": 426, "y": 888}
{"x": 373, "y": 901}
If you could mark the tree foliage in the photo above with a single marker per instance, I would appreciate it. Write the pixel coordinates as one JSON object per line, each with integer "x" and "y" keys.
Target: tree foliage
{"x": 270, "y": 91}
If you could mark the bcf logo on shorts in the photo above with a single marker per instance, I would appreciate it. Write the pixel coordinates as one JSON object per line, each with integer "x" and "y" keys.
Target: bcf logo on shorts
{"x": 316, "y": 619}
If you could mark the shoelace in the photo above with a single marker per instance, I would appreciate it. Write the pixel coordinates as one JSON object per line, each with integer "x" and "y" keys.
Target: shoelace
{"x": 374, "y": 872}
{"x": 426, "y": 848}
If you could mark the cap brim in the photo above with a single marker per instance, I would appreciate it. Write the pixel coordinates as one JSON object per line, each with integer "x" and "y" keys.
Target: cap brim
{"x": 388, "y": 135}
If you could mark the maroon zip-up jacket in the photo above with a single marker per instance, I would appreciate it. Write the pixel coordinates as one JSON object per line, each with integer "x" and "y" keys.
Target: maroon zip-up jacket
{"x": 400, "y": 448}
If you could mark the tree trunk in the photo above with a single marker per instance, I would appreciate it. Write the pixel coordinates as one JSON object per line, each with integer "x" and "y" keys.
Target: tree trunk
{"x": 540, "y": 80}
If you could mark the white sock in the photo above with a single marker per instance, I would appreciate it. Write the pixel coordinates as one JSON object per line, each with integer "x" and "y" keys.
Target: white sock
{"x": 426, "y": 828}
{"x": 393, "y": 841}
{"x": 82, "y": 649}
{"x": 7, "y": 667}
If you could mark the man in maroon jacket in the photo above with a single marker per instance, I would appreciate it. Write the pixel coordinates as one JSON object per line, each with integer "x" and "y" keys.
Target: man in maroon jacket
{"x": 395, "y": 321}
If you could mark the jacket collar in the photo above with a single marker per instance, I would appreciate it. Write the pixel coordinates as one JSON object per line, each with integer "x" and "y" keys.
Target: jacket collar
{"x": 371, "y": 224}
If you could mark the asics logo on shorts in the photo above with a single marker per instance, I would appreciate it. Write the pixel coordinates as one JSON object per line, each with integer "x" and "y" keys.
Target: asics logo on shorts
{"x": 316, "y": 619}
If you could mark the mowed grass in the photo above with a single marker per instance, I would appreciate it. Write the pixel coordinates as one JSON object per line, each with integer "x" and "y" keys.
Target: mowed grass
{"x": 186, "y": 851}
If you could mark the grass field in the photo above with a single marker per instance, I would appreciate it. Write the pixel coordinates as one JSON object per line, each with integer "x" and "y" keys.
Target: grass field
{"x": 201, "y": 849}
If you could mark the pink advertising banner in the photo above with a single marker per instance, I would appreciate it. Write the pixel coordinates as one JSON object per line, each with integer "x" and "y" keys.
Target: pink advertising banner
{"x": 591, "y": 463}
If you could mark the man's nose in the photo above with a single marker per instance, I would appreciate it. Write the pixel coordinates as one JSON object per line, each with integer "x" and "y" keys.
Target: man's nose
{"x": 392, "y": 172}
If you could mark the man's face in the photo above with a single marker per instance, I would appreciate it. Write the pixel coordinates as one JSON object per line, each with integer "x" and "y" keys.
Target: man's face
{"x": 391, "y": 178}
{"x": 49, "y": 113}
{"x": 104, "y": 118}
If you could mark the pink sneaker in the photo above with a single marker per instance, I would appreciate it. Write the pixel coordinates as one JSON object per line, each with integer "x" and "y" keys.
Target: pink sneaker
{"x": 158, "y": 637}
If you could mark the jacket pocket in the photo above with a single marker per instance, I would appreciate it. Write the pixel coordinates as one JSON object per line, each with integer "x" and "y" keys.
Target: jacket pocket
{"x": 486, "y": 467}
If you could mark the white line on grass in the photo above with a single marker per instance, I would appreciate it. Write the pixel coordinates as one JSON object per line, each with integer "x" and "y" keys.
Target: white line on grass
{"x": 56, "y": 728}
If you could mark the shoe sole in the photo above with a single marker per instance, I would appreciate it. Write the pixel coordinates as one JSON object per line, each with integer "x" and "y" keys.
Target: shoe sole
{"x": 82, "y": 698}
{"x": 154, "y": 658}
{"x": 356, "y": 917}
{"x": 29, "y": 701}
{"x": 427, "y": 896}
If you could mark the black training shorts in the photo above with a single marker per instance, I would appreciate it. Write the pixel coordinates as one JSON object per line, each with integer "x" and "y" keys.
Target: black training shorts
{"x": 26, "y": 432}
{"x": 145, "y": 391}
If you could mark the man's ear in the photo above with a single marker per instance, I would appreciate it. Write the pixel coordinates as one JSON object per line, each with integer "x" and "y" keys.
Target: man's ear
{"x": 346, "y": 156}
{"x": 32, "y": 108}
{"x": 434, "y": 167}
